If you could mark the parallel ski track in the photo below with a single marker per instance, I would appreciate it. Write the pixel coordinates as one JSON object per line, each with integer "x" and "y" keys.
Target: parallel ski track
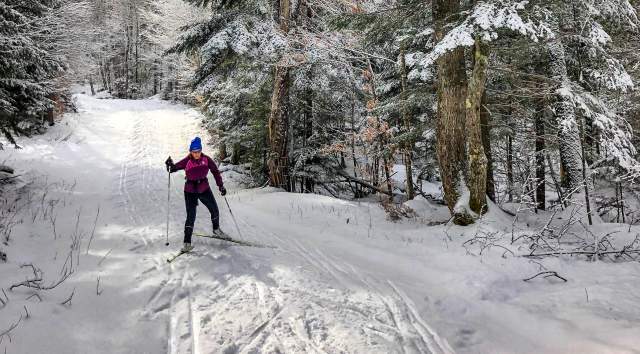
{"x": 412, "y": 331}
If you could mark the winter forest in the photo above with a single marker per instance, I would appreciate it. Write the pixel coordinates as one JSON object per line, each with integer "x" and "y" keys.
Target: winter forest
{"x": 388, "y": 176}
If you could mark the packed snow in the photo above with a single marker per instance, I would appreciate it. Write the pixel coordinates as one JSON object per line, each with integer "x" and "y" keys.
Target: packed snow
{"x": 338, "y": 278}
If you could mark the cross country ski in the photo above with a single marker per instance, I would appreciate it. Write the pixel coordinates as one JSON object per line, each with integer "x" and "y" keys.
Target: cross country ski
{"x": 175, "y": 256}
{"x": 224, "y": 237}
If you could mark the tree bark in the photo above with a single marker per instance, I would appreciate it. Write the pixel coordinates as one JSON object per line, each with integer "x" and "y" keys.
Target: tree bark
{"x": 278, "y": 126}
{"x": 450, "y": 129}
{"x": 477, "y": 179}
{"x": 486, "y": 143}
{"x": 278, "y": 129}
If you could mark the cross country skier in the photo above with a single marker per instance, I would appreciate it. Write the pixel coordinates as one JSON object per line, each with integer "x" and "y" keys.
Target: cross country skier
{"x": 196, "y": 187}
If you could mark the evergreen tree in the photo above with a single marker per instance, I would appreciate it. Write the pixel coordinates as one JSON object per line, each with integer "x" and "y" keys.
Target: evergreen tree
{"x": 26, "y": 67}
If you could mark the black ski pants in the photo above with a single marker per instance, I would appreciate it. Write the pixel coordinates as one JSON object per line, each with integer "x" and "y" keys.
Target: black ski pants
{"x": 191, "y": 202}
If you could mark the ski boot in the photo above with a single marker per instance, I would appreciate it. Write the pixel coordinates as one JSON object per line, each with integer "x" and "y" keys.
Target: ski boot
{"x": 186, "y": 248}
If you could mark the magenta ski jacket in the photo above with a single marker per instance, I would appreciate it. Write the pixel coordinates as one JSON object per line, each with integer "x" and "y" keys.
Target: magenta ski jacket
{"x": 196, "y": 171}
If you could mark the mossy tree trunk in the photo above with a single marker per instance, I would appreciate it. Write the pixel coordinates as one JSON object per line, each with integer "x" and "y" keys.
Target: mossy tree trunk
{"x": 450, "y": 128}
{"x": 477, "y": 179}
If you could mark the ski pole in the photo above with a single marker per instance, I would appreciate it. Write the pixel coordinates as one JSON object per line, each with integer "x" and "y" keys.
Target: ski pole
{"x": 232, "y": 216}
{"x": 168, "y": 205}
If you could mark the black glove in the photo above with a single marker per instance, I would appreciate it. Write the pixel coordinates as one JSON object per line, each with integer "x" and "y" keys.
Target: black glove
{"x": 223, "y": 191}
{"x": 169, "y": 164}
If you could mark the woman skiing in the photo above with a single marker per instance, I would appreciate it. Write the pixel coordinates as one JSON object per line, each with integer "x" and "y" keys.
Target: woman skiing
{"x": 196, "y": 187}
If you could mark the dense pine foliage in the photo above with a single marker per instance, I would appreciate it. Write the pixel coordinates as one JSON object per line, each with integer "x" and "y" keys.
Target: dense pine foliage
{"x": 28, "y": 65}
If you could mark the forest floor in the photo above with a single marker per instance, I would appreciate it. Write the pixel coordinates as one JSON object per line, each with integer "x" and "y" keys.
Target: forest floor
{"x": 340, "y": 276}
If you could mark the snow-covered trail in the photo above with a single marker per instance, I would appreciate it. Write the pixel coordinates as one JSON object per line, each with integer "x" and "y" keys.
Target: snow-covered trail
{"x": 340, "y": 278}
{"x": 292, "y": 298}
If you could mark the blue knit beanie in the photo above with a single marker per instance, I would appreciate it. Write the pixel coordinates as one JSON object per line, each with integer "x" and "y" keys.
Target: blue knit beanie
{"x": 196, "y": 144}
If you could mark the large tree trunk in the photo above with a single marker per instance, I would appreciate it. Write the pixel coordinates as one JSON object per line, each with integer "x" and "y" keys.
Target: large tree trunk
{"x": 486, "y": 143}
{"x": 279, "y": 117}
{"x": 408, "y": 144}
{"x": 278, "y": 129}
{"x": 450, "y": 129}
{"x": 565, "y": 119}
{"x": 477, "y": 179}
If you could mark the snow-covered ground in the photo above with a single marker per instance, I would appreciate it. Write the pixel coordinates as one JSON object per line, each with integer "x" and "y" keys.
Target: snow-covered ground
{"x": 340, "y": 278}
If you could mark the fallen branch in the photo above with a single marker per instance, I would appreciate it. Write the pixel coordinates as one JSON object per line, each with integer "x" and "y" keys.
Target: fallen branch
{"x": 590, "y": 253}
{"x": 360, "y": 181}
{"x": 36, "y": 282}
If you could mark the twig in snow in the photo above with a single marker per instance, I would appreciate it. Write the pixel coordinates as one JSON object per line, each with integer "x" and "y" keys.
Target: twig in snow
{"x": 11, "y": 328}
{"x": 36, "y": 282}
{"x": 25, "y": 310}
{"x": 546, "y": 274}
{"x": 76, "y": 238}
{"x": 104, "y": 257}
{"x": 98, "y": 291}
{"x": 68, "y": 300}
{"x": 540, "y": 266}
{"x": 36, "y": 295}
{"x": 95, "y": 222}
